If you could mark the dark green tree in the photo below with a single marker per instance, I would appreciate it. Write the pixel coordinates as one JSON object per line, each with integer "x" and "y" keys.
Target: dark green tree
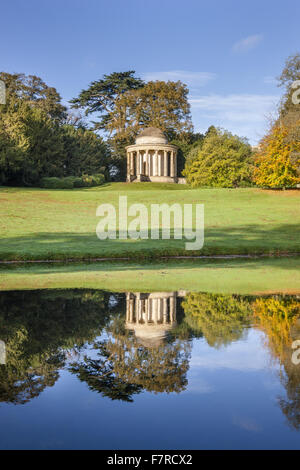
{"x": 35, "y": 91}
{"x": 40, "y": 329}
{"x": 101, "y": 98}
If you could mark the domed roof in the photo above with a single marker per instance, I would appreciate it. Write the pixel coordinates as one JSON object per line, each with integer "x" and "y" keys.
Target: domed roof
{"x": 151, "y": 135}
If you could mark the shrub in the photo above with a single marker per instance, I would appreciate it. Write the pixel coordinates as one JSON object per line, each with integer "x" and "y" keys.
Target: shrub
{"x": 70, "y": 182}
{"x": 56, "y": 183}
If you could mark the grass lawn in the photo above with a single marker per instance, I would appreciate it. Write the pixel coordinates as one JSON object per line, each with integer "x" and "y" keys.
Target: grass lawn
{"x": 60, "y": 224}
{"x": 254, "y": 276}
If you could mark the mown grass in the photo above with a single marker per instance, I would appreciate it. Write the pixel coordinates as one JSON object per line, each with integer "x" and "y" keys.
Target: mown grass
{"x": 254, "y": 276}
{"x": 61, "y": 224}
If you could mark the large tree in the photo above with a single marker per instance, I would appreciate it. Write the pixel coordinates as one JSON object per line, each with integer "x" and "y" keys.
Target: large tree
{"x": 84, "y": 152}
{"x": 35, "y": 91}
{"x": 289, "y": 75}
{"x": 31, "y": 145}
{"x": 278, "y": 159}
{"x": 222, "y": 160}
{"x": 101, "y": 96}
{"x": 158, "y": 104}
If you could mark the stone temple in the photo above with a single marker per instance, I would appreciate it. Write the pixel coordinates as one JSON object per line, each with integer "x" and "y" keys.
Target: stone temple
{"x": 151, "y": 158}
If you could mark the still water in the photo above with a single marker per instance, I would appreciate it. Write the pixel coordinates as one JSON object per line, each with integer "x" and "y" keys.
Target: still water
{"x": 90, "y": 369}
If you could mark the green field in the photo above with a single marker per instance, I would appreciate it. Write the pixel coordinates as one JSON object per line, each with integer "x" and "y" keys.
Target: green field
{"x": 60, "y": 224}
{"x": 254, "y": 276}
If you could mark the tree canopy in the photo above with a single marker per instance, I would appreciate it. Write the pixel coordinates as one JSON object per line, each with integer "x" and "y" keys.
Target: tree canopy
{"x": 39, "y": 139}
{"x": 221, "y": 160}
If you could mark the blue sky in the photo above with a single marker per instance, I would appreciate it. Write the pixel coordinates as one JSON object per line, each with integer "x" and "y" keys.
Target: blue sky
{"x": 227, "y": 51}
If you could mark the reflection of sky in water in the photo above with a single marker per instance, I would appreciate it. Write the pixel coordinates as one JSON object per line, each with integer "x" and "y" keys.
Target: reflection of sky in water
{"x": 244, "y": 355}
{"x": 231, "y": 401}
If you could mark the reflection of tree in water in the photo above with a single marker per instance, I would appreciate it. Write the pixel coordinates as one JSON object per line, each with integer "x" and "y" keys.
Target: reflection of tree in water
{"x": 39, "y": 329}
{"x": 279, "y": 318}
{"x": 130, "y": 362}
{"x": 220, "y": 318}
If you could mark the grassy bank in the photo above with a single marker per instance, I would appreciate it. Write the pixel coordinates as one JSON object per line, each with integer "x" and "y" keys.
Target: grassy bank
{"x": 60, "y": 224}
{"x": 253, "y": 276}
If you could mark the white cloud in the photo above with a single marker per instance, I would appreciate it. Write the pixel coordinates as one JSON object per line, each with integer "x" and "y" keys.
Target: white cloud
{"x": 236, "y": 107}
{"x": 190, "y": 78}
{"x": 242, "y": 114}
{"x": 247, "y": 43}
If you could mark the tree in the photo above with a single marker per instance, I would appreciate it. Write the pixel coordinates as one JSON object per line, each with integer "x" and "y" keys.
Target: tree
{"x": 158, "y": 104}
{"x": 222, "y": 160}
{"x": 35, "y": 92}
{"x": 39, "y": 329}
{"x": 125, "y": 367}
{"x": 278, "y": 317}
{"x": 84, "y": 152}
{"x": 220, "y": 318}
{"x": 278, "y": 160}
{"x": 101, "y": 97}
{"x": 32, "y": 145}
{"x": 289, "y": 74}
{"x": 186, "y": 143}
{"x": 289, "y": 111}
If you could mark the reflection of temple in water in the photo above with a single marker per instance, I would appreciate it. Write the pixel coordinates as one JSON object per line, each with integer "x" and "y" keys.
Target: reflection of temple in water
{"x": 151, "y": 316}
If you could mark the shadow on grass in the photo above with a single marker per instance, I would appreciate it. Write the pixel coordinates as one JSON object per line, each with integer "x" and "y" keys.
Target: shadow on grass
{"x": 247, "y": 239}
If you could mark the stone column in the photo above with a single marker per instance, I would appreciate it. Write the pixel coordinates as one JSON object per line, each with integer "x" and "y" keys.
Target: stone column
{"x": 165, "y": 163}
{"x": 131, "y": 306}
{"x": 151, "y": 165}
{"x": 132, "y": 163}
{"x": 141, "y": 163}
{"x": 172, "y": 165}
{"x": 172, "y": 309}
{"x": 154, "y": 303}
{"x": 175, "y": 164}
{"x": 165, "y": 312}
{"x": 160, "y": 310}
{"x": 127, "y": 304}
{"x": 128, "y": 166}
{"x": 155, "y": 156}
{"x": 137, "y": 308}
{"x": 146, "y": 311}
{"x": 159, "y": 162}
{"x": 147, "y": 162}
{"x": 138, "y": 171}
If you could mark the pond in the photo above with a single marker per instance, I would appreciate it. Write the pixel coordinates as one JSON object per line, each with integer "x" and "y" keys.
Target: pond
{"x": 92, "y": 369}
